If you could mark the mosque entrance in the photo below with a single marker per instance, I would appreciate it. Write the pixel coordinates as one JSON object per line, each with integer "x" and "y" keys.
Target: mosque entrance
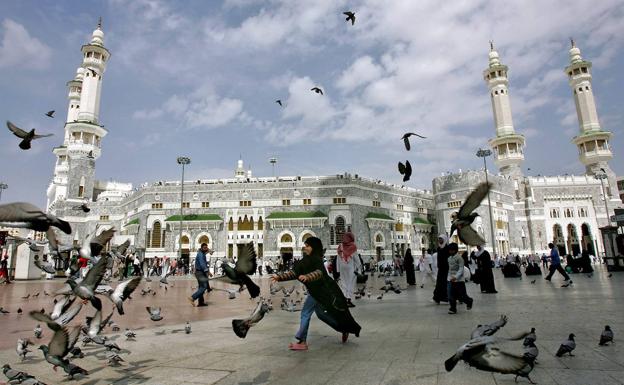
{"x": 573, "y": 241}
{"x": 587, "y": 241}
{"x": 287, "y": 257}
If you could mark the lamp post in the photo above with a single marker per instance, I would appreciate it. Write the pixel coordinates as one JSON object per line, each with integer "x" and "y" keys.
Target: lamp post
{"x": 183, "y": 160}
{"x": 484, "y": 154}
{"x": 273, "y": 161}
{"x": 3, "y": 186}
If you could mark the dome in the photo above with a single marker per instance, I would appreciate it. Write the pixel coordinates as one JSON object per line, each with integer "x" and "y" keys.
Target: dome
{"x": 97, "y": 37}
{"x": 493, "y": 55}
{"x": 79, "y": 73}
{"x": 575, "y": 54}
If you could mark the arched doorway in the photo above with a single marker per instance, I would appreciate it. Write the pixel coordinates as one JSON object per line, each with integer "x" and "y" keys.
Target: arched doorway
{"x": 558, "y": 239}
{"x": 573, "y": 241}
{"x": 586, "y": 239}
{"x": 186, "y": 244}
{"x": 286, "y": 250}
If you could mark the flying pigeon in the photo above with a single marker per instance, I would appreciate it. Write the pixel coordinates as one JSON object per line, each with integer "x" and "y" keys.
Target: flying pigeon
{"x": 606, "y": 336}
{"x": 58, "y": 323}
{"x": 86, "y": 288}
{"x": 187, "y": 328}
{"x": 26, "y": 137}
{"x": 93, "y": 73}
{"x": 22, "y": 347}
{"x": 60, "y": 345}
{"x": 278, "y": 101}
{"x": 489, "y": 330}
{"x": 406, "y": 139}
{"x": 46, "y": 267}
{"x": 154, "y": 313}
{"x": 82, "y": 207}
{"x": 317, "y": 90}
{"x": 405, "y": 170}
{"x": 350, "y": 16}
{"x": 122, "y": 292}
{"x": 241, "y": 326}
{"x": 567, "y": 346}
{"x": 61, "y": 306}
{"x": 480, "y": 353}
{"x": 531, "y": 337}
{"x": 462, "y": 219}
{"x": 50, "y": 114}
{"x": 26, "y": 215}
{"x": 245, "y": 264}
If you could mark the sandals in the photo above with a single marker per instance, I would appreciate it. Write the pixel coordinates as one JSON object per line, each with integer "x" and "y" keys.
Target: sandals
{"x": 298, "y": 346}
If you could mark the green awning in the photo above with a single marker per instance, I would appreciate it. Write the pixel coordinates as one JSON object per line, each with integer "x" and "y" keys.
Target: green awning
{"x": 135, "y": 221}
{"x": 372, "y": 215}
{"x": 421, "y": 221}
{"x": 194, "y": 217}
{"x": 296, "y": 215}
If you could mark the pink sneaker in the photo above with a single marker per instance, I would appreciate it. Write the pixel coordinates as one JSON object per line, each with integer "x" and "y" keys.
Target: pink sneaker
{"x": 298, "y": 346}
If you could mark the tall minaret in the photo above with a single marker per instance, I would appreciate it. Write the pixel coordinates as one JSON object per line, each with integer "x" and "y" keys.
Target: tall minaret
{"x": 74, "y": 171}
{"x": 507, "y": 145}
{"x": 593, "y": 142}
{"x": 240, "y": 172}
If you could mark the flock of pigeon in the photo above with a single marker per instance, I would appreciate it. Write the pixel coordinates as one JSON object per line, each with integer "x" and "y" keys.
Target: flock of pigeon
{"x": 482, "y": 353}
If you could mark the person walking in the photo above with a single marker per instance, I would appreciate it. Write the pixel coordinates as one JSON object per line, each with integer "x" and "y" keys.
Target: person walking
{"x": 202, "y": 273}
{"x": 486, "y": 277}
{"x": 347, "y": 265}
{"x": 425, "y": 266}
{"x": 324, "y": 298}
{"x": 456, "y": 286}
{"x": 440, "y": 293}
{"x": 408, "y": 263}
{"x": 4, "y": 269}
{"x": 544, "y": 261}
{"x": 555, "y": 264}
{"x": 136, "y": 266}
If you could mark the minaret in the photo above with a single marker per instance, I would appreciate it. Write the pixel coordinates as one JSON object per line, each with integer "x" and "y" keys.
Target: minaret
{"x": 592, "y": 142}
{"x": 507, "y": 145}
{"x": 240, "y": 172}
{"x": 75, "y": 168}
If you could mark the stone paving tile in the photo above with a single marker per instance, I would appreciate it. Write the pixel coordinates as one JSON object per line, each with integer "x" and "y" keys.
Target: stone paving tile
{"x": 407, "y": 374}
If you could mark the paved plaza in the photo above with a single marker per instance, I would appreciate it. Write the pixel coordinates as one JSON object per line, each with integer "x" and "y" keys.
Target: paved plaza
{"x": 405, "y": 338}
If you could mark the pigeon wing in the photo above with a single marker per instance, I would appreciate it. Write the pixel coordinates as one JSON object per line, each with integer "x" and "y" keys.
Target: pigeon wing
{"x": 42, "y": 317}
{"x": 121, "y": 249}
{"x": 246, "y": 262}
{"x": 407, "y": 143}
{"x": 48, "y": 268}
{"x": 37, "y": 136}
{"x": 97, "y": 243}
{"x": 495, "y": 360}
{"x": 95, "y": 274}
{"x": 16, "y": 130}
{"x": 59, "y": 345}
{"x": 408, "y": 171}
{"x": 69, "y": 315}
{"x": 474, "y": 199}
{"x": 95, "y": 325}
{"x": 401, "y": 168}
{"x": 20, "y": 212}
{"x": 470, "y": 237}
{"x": 124, "y": 289}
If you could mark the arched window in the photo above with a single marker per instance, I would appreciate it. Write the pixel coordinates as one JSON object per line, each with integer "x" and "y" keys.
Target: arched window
{"x": 340, "y": 228}
{"x": 286, "y": 238}
{"x": 260, "y": 224}
{"x": 81, "y": 187}
{"x": 245, "y": 224}
{"x": 231, "y": 224}
{"x": 379, "y": 238}
{"x": 156, "y": 235}
{"x": 185, "y": 242}
{"x": 305, "y": 237}
{"x": 204, "y": 239}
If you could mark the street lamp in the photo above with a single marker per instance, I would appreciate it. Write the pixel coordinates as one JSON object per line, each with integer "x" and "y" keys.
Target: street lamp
{"x": 601, "y": 177}
{"x": 273, "y": 161}
{"x": 484, "y": 154}
{"x": 3, "y": 186}
{"x": 183, "y": 160}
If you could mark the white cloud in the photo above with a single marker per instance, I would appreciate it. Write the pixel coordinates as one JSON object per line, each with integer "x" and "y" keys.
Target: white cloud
{"x": 18, "y": 48}
{"x": 361, "y": 72}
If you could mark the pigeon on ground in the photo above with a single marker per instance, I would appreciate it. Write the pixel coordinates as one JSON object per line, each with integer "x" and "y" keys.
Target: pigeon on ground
{"x": 480, "y": 353}
{"x": 350, "y": 16}
{"x": 241, "y": 326}
{"x": 60, "y": 345}
{"x": 462, "y": 219}
{"x": 50, "y": 114}
{"x": 245, "y": 264}
{"x": 22, "y": 347}
{"x": 317, "y": 90}
{"x": 533, "y": 282}
{"x": 19, "y": 311}
{"x": 567, "y": 346}
{"x": 154, "y": 313}
{"x": 26, "y": 296}
{"x": 130, "y": 335}
{"x": 380, "y": 296}
{"x": 46, "y": 293}
{"x": 406, "y": 139}
{"x": 489, "y": 330}
{"x": 15, "y": 376}
{"x": 26, "y": 137}
{"x": 114, "y": 359}
{"x": 288, "y": 292}
{"x": 278, "y": 101}
{"x": 3, "y": 311}
{"x": 36, "y": 295}
{"x": 122, "y": 292}
{"x": 531, "y": 337}
{"x": 530, "y": 352}
{"x": 606, "y": 336}
{"x": 405, "y": 170}
{"x": 76, "y": 352}
{"x": 26, "y": 215}
{"x": 187, "y": 328}
{"x": 38, "y": 331}
{"x": 110, "y": 346}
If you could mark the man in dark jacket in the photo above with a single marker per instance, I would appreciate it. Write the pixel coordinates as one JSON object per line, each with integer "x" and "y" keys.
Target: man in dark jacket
{"x": 555, "y": 264}
{"x": 201, "y": 273}
{"x": 440, "y": 292}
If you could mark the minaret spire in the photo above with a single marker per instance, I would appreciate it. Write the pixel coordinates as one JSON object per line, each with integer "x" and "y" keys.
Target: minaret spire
{"x": 99, "y": 25}
{"x": 507, "y": 145}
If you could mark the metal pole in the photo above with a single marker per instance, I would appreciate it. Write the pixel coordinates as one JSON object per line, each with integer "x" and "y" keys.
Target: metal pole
{"x": 604, "y": 195}
{"x": 3, "y": 186}
{"x": 183, "y": 160}
{"x": 490, "y": 211}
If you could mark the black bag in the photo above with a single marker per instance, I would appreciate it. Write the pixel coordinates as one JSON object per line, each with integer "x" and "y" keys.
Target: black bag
{"x": 361, "y": 278}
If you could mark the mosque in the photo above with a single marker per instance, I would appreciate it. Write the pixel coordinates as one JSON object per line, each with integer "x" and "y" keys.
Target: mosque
{"x": 278, "y": 213}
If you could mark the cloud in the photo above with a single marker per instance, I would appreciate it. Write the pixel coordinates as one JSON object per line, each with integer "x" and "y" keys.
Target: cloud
{"x": 361, "y": 72}
{"x": 18, "y": 48}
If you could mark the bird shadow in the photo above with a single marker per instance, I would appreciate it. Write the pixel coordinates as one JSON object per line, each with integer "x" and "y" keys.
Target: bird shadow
{"x": 261, "y": 378}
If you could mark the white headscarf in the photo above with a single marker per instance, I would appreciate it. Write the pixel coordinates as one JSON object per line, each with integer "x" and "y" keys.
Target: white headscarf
{"x": 444, "y": 238}
{"x": 480, "y": 250}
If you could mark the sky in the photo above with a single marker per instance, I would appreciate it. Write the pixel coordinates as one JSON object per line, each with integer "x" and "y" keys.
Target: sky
{"x": 200, "y": 79}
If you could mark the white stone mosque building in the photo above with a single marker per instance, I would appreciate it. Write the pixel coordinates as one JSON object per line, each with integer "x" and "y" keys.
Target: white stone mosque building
{"x": 279, "y": 213}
